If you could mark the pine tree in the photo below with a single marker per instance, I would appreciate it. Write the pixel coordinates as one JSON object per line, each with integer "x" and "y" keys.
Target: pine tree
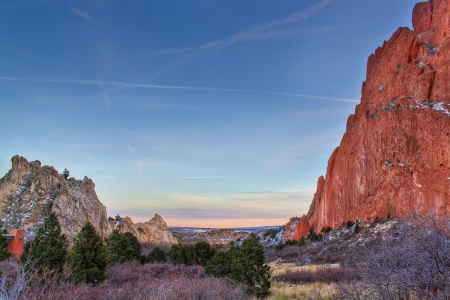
{"x": 219, "y": 265}
{"x": 88, "y": 256}
{"x": 203, "y": 252}
{"x": 122, "y": 247}
{"x": 181, "y": 258}
{"x": 48, "y": 250}
{"x": 66, "y": 174}
{"x": 247, "y": 267}
{"x": 157, "y": 256}
{"x": 4, "y": 254}
{"x": 134, "y": 248}
{"x": 173, "y": 252}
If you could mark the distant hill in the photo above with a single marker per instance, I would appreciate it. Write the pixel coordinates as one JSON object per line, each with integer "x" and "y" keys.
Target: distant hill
{"x": 224, "y": 236}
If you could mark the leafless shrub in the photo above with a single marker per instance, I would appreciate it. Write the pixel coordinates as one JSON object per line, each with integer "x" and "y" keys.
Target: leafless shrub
{"x": 333, "y": 274}
{"x": 147, "y": 247}
{"x": 327, "y": 252}
{"x": 12, "y": 280}
{"x": 125, "y": 281}
{"x": 411, "y": 263}
{"x": 17, "y": 283}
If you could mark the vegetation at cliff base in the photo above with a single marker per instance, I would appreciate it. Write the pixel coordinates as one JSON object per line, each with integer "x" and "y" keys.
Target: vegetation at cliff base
{"x": 88, "y": 258}
{"x": 48, "y": 250}
{"x": 157, "y": 256}
{"x": 122, "y": 247}
{"x": 4, "y": 254}
{"x": 243, "y": 264}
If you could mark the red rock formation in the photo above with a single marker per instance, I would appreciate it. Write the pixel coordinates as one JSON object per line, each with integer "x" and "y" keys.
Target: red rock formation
{"x": 394, "y": 155}
{"x": 296, "y": 228}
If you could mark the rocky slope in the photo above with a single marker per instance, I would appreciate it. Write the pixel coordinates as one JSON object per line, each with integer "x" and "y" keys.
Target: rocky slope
{"x": 268, "y": 236}
{"x": 154, "y": 231}
{"x": 213, "y": 236}
{"x": 394, "y": 155}
{"x": 29, "y": 192}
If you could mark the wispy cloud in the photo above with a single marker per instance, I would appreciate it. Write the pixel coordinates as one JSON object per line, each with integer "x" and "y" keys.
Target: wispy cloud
{"x": 274, "y": 29}
{"x": 170, "y": 51}
{"x": 317, "y": 145}
{"x": 104, "y": 93}
{"x": 241, "y": 209}
{"x": 81, "y": 13}
{"x": 262, "y": 31}
{"x": 158, "y": 106}
{"x": 174, "y": 87}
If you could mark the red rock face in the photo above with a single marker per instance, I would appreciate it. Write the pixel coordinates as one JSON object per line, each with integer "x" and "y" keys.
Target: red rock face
{"x": 394, "y": 155}
{"x": 296, "y": 228}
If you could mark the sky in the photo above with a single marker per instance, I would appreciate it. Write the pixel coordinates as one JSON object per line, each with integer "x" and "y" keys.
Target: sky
{"x": 209, "y": 113}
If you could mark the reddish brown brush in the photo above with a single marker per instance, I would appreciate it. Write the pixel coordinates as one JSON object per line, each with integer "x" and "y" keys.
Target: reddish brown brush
{"x": 126, "y": 281}
{"x": 318, "y": 275}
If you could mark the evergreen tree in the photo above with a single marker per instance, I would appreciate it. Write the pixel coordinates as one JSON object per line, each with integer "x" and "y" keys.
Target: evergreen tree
{"x": 157, "y": 256}
{"x": 88, "y": 258}
{"x": 203, "y": 252}
{"x": 186, "y": 256}
{"x": 66, "y": 174}
{"x": 247, "y": 267}
{"x": 134, "y": 248}
{"x": 219, "y": 265}
{"x": 122, "y": 247}
{"x": 173, "y": 252}
{"x": 181, "y": 257}
{"x": 4, "y": 254}
{"x": 48, "y": 250}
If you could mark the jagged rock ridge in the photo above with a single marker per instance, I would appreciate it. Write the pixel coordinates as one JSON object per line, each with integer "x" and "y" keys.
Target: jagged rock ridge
{"x": 29, "y": 192}
{"x": 154, "y": 231}
{"x": 394, "y": 155}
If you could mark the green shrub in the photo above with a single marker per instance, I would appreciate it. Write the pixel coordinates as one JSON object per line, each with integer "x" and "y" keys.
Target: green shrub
{"x": 316, "y": 237}
{"x": 189, "y": 255}
{"x": 349, "y": 224}
{"x": 299, "y": 242}
{"x": 4, "y": 254}
{"x": 157, "y": 256}
{"x": 326, "y": 229}
{"x": 271, "y": 233}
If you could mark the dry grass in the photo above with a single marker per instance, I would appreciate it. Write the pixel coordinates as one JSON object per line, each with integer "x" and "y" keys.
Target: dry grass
{"x": 281, "y": 268}
{"x": 286, "y": 290}
{"x": 310, "y": 291}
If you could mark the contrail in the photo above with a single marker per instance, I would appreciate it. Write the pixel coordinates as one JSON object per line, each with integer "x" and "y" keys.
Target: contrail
{"x": 173, "y": 87}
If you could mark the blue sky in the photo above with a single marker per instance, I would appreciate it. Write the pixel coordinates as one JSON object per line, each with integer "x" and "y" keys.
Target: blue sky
{"x": 210, "y": 113}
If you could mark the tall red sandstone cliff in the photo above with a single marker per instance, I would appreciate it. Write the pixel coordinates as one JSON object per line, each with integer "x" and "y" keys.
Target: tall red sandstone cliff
{"x": 394, "y": 155}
